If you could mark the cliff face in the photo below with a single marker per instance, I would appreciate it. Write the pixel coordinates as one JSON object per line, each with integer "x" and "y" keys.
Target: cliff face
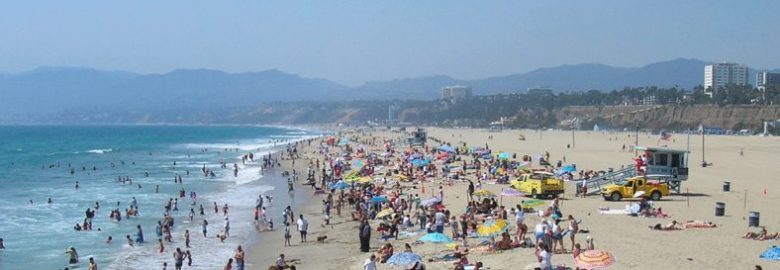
{"x": 673, "y": 117}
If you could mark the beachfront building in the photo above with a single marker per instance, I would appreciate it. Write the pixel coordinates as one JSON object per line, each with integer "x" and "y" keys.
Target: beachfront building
{"x": 767, "y": 79}
{"x": 540, "y": 91}
{"x": 456, "y": 92}
{"x": 719, "y": 75}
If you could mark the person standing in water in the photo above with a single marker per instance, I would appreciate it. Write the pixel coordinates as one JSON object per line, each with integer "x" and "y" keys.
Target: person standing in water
{"x": 139, "y": 236}
{"x": 72, "y": 255}
{"x": 92, "y": 265}
{"x": 178, "y": 257}
{"x": 239, "y": 258}
{"x": 205, "y": 227}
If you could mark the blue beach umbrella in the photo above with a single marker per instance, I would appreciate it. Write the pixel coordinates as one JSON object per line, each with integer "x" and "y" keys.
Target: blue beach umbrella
{"x": 403, "y": 258}
{"x": 378, "y": 199}
{"x": 771, "y": 254}
{"x": 503, "y": 155}
{"x": 436, "y": 238}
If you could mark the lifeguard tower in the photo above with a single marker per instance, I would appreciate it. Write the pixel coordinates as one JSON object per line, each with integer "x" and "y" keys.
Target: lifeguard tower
{"x": 662, "y": 164}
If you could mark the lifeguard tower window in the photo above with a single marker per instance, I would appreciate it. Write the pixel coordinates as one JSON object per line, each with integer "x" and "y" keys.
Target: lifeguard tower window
{"x": 675, "y": 160}
{"x": 663, "y": 159}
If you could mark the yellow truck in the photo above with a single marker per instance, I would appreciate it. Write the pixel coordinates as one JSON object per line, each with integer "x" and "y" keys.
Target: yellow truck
{"x": 538, "y": 184}
{"x": 635, "y": 187}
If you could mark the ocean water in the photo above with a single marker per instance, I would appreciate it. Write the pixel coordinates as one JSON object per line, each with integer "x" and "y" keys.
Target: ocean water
{"x": 35, "y": 164}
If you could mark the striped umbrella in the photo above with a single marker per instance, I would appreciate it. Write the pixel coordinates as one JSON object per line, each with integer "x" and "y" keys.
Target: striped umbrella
{"x": 594, "y": 259}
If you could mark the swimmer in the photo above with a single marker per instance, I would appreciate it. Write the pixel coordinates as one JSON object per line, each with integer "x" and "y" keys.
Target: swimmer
{"x": 2, "y": 245}
{"x": 129, "y": 241}
{"x": 110, "y": 240}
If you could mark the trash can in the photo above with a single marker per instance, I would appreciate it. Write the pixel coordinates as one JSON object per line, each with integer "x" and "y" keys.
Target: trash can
{"x": 720, "y": 209}
{"x": 726, "y": 186}
{"x": 753, "y": 219}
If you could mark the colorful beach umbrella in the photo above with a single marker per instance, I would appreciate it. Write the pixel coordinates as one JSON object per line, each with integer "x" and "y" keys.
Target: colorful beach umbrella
{"x": 430, "y": 201}
{"x": 484, "y": 193}
{"x": 503, "y": 155}
{"x": 403, "y": 258}
{"x": 532, "y": 203}
{"x": 511, "y": 192}
{"x": 594, "y": 259}
{"x": 492, "y": 227}
{"x": 771, "y": 254}
{"x": 436, "y": 238}
{"x": 384, "y": 213}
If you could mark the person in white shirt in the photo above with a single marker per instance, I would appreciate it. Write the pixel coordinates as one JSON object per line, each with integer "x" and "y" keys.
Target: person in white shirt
{"x": 544, "y": 256}
{"x": 370, "y": 263}
{"x": 303, "y": 226}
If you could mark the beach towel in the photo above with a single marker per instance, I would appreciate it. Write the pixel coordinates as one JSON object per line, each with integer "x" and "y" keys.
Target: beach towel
{"x": 613, "y": 212}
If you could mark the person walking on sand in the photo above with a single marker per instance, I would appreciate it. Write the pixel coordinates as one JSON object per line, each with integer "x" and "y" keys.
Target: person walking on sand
{"x": 370, "y": 263}
{"x": 303, "y": 226}
{"x": 287, "y": 234}
{"x": 365, "y": 235}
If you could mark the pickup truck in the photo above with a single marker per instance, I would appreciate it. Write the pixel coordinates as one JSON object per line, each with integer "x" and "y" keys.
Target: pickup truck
{"x": 635, "y": 187}
{"x": 538, "y": 184}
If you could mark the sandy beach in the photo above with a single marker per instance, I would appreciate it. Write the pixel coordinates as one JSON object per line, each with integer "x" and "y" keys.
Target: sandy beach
{"x": 753, "y": 188}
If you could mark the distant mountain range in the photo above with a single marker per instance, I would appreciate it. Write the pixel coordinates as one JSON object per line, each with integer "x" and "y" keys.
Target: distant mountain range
{"x": 53, "y": 89}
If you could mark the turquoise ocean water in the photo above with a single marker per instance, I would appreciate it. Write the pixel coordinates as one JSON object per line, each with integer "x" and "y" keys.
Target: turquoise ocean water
{"x": 36, "y": 164}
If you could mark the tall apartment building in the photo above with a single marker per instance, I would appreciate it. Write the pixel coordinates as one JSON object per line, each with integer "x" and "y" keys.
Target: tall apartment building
{"x": 455, "y": 92}
{"x": 721, "y": 74}
{"x": 766, "y": 79}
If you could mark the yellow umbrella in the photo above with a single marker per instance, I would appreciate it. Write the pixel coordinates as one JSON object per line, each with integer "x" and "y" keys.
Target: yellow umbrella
{"x": 492, "y": 227}
{"x": 384, "y": 213}
{"x": 484, "y": 193}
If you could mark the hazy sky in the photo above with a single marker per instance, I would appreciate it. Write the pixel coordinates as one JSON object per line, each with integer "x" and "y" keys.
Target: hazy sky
{"x": 356, "y": 41}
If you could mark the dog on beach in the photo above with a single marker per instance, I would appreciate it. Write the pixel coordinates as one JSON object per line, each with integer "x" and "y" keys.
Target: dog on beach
{"x": 321, "y": 238}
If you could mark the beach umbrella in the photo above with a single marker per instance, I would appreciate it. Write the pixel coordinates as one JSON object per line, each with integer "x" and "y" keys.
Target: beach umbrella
{"x": 532, "y": 203}
{"x": 378, "y": 199}
{"x": 384, "y": 213}
{"x": 403, "y": 258}
{"x": 339, "y": 185}
{"x": 511, "y": 192}
{"x": 430, "y": 201}
{"x": 771, "y": 254}
{"x": 484, "y": 193}
{"x": 594, "y": 259}
{"x": 503, "y": 155}
{"x": 436, "y": 238}
{"x": 492, "y": 227}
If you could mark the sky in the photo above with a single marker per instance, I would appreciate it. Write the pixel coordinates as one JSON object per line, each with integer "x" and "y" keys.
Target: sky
{"x": 352, "y": 42}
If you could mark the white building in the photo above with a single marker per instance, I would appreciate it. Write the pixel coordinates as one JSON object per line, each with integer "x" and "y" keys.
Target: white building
{"x": 455, "y": 92}
{"x": 721, "y": 74}
{"x": 766, "y": 79}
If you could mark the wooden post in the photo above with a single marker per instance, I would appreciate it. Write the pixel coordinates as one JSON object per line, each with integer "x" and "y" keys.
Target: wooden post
{"x": 688, "y": 197}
